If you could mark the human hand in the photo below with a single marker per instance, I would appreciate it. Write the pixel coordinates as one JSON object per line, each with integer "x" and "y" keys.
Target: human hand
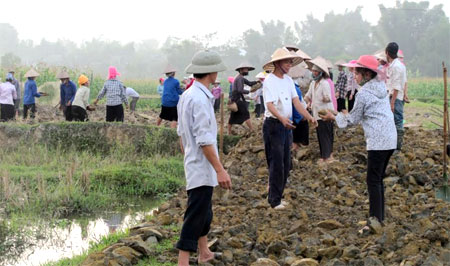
{"x": 344, "y": 111}
{"x": 313, "y": 121}
{"x": 224, "y": 179}
{"x": 328, "y": 116}
{"x": 287, "y": 123}
{"x": 351, "y": 97}
{"x": 392, "y": 106}
{"x": 69, "y": 103}
{"x": 96, "y": 101}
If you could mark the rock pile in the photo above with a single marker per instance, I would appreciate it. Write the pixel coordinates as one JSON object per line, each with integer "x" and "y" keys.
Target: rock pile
{"x": 328, "y": 205}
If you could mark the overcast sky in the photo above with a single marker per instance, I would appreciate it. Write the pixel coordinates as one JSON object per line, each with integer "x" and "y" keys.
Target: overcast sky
{"x": 136, "y": 20}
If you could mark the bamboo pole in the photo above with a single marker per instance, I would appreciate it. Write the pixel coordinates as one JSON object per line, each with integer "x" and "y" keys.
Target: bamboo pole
{"x": 445, "y": 121}
{"x": 221, "y": 126}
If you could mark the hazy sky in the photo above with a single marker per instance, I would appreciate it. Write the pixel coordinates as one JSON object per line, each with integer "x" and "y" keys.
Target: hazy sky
{"x": 134, "y": 20}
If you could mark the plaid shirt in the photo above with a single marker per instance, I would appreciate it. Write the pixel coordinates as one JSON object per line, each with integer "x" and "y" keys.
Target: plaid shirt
{"x": 341, "y": 84}
{"x": 115, "y": 93}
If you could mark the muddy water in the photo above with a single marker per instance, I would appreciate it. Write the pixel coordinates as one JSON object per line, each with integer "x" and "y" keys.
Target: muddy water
{"x": 75, "y": 236}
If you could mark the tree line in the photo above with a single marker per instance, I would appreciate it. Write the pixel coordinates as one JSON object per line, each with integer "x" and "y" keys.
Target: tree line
{"x": 422, "y": 32}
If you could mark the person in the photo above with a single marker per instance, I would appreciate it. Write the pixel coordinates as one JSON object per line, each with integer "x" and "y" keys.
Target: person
{"x": 395, "y": 83}
{"x": 217, "y": 92}
{"x": 341, "y": 85}
{"x": 197, "y": 129}
{"x": 130, "y": 92}
{"x": 115, "y": 96}
{"x": 160, "y": 88}
{"x": 300, "y": 133}
{"x": 81, "y": 101}
{"x": 330, "y": 82}
{"x": 16, "y": 84}
{"x": 242, "y": 114}
{"x": 258, "y": 95}
{"x": 352, "y": 86}
{"x": 8, "y": 94}
{"x": 318, "y": 98}
{"x": 68, "y": 90}
{"x": 170, "y": 98}
{"x": 30, "y": 93}
{"x": 405, "y": 90}
{"x": 230, "y": 80}
{"x": 372, "y": 110}
{"x": 279, "y": 95}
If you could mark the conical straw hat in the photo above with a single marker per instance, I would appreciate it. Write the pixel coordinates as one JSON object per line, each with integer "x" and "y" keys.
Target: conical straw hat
{"x": 340, "y": 63}
{"x": 330, "y": 65}
{"x": 297, "y": 71}
{"x": 63, "y": 75}
{"x": 281, "y": 54}
{"x": 320, "y": 62}
{"x": 31, "y": 73}
{"x": 245, "y": 65}
{"x": 303, "y": 55}
{"x": 169, "y": 69}
{"x": 380, "y": 55}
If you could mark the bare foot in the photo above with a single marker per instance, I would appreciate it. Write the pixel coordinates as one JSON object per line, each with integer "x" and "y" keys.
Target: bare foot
{"x": 205, "y": 256}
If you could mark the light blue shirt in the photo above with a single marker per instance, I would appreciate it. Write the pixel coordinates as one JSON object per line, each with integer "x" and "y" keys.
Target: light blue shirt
{"x": 197, "y": 127}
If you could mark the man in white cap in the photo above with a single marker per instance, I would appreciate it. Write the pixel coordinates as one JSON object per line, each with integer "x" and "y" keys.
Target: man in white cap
{"x": 279, "y": 96}
{"x": 197, "y": 129}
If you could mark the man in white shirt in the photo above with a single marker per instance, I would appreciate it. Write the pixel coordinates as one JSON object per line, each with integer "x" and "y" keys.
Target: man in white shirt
{"x": 395, "y": 83}
{"x": 130, "y": 92}
{"x": 279, "y": 96}
{"x": 197, "y": 129}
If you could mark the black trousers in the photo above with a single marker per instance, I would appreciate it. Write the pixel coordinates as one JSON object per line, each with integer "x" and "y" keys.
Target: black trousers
{"x": 197, "y": 218}
{"x": 114, "y": 113}
{"x": 341, "y": 104}
{"x": 31, "y": 108}
{"x": 377, "y": 162}
{"x": 352, "y": 101}
{"x": 277, "y": 145}
{"x": 301, "y": 132}
{"x": 7, "y": 112}
{"x": 325, "y": 135}
{"x": 133, "y": 103}
{"x": 79, "y": 114}
{"x": 67, "y": 110}
{"x": 217, "y": 105}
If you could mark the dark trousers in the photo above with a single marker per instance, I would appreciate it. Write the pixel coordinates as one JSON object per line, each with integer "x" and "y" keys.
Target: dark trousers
{"x": 301, "y": 133}
{"x": 197, "y": 218}
{"x": 114, "y": 113}
{"x": 67, "y": 110}
{"x": 216, "y": 105}
{"x": 31, "y": 108}
{"x": 376, "y": 169}
{"x": 325, "y": 135}
{"x": 352, "y": 101}
{"x": 133, "y": 103}
{"x": 277, "y": 145}
{"x": 7, "y": 112}
{"x": 79, "y": 114}
{"x": 340, "y": 104}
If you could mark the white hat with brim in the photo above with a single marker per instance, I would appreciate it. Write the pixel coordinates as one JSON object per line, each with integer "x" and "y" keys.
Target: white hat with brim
{"x": 204, "y": 62}
{"x": 245, "y": 65}
{"x": 169, "y": 69}
{"x": 31, "y": 73}
{"x": 282, "y": 54}
{"x": 380, "y": 55}
{"x": 319, "y": 62}
{"x": 261, "y": 75}
{"x": 63, "y": 75}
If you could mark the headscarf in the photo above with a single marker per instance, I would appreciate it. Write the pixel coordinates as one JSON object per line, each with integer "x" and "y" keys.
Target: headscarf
{"x": 82, "y": 80}
{"x": 112, "y": 73}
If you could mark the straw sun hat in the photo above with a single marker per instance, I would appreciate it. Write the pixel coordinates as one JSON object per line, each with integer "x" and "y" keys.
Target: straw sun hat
{"x": 169, "y": 69}
{"x": 319, "y": 62}
{"x": 282, "y": 54}
{"x": 31, "y": 73}
{"x": 245, "y": 65}
{"x": 204, "y": 62}
{"x": 63, "y": 75}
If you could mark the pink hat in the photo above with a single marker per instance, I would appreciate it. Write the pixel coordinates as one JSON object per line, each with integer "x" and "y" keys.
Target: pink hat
{"x": 369, "y": 62}
{"x": 400, "y": 54}
{"x": 231, "y": 79}
{"x": 112, "y": 72}
{"x": 352, "y": 63}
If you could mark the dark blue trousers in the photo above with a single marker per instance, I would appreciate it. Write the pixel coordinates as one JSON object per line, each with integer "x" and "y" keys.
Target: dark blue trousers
{"x": 277, "y": 144}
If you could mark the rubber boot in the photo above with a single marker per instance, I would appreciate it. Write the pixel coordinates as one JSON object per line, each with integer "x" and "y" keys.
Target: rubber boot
{"x": 400, "y": 133}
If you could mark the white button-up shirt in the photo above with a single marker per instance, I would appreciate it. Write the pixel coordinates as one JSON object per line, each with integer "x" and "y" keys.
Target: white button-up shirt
{"x": 280, "y": 92}
{"x": 396, "y": 80}
{"x": 197, "y": 127}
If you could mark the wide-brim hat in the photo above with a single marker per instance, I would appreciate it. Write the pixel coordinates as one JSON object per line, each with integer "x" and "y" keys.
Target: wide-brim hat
{"x": 400, "y": 54}
{"x": 330, "y": 65}
{"x": 63, "y": 75}
{"x": 369, "y": 62}
{"x": 204, "y": 62}
{"x": 282, "y": 54}
{"x": 351, "y": 63}
{"x": 31, "y": 73}
{"x": 319, "y": 62}
{"x": 297, "y": 71}
{"x": 292, "y": 47}
{"x": 217, "y": 81}
{"x": 261, "y": 75}
{"x": 169, "y": 69}
{"x": 245, "y": 65}
{"x": 340, "y": 63}
{"x": 303, "y": 55}
{"x": 380, "y": 55}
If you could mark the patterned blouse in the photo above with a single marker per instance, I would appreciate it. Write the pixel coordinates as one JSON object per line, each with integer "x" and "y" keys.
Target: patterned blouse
{"x": 341, "y": 84}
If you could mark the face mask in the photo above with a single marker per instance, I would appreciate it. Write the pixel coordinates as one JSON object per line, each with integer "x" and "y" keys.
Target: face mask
{"x": 316, "y": 78}
{"x": 244, "y": 73}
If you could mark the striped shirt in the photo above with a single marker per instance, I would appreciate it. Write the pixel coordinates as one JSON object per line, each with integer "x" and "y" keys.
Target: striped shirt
{"x": 115, "y": 93}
